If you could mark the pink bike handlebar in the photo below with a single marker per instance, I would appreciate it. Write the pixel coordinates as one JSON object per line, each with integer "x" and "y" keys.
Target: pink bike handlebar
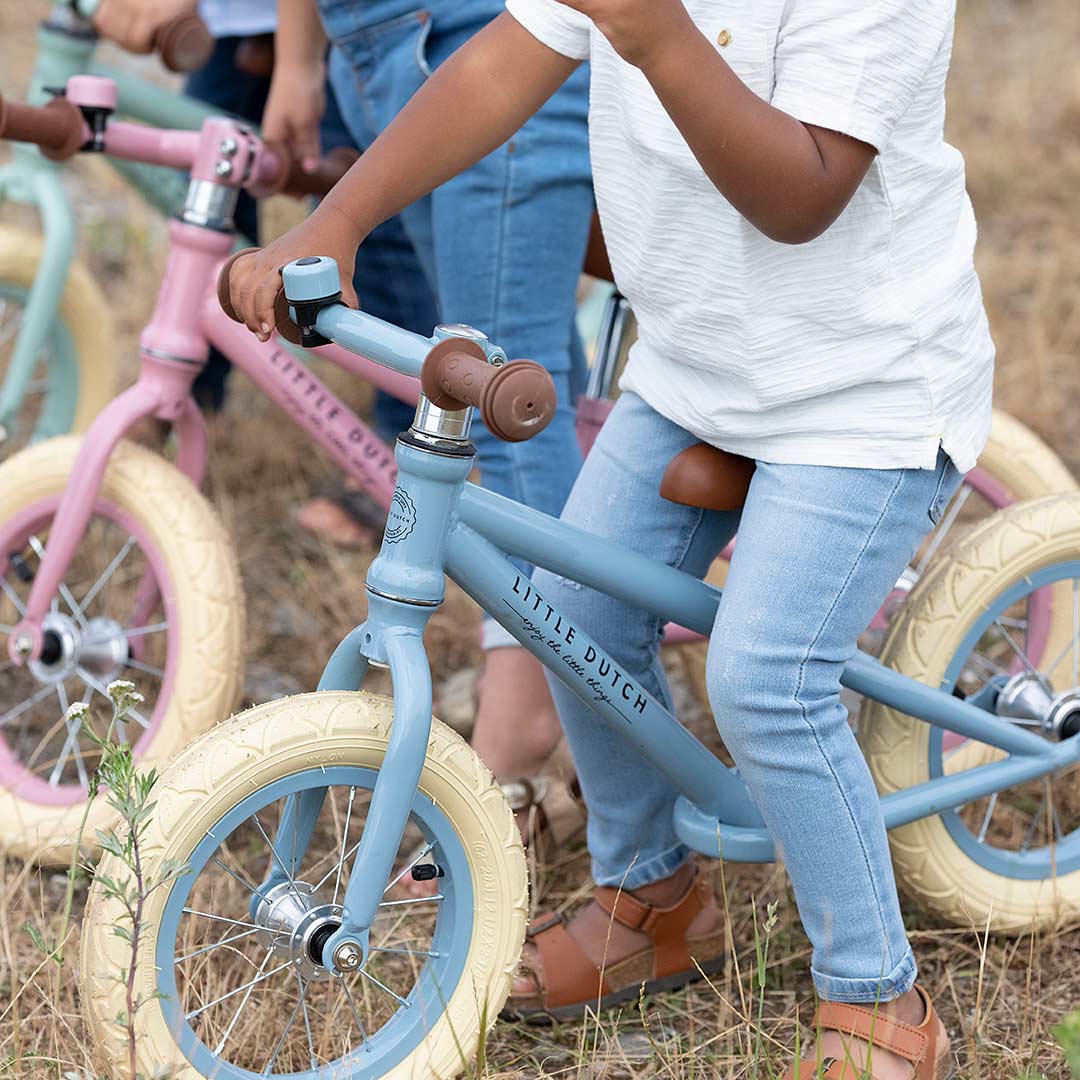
{"x": 60, "y": 130}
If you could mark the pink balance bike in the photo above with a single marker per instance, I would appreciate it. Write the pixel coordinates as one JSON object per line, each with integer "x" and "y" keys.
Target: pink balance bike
{"x": 112, "y": 565}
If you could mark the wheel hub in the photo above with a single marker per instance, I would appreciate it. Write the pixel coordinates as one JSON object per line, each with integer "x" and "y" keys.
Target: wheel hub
{"x": 99, "y": 648}
{"x": 296, "y": 924}
{"x": 1028, "y": 697}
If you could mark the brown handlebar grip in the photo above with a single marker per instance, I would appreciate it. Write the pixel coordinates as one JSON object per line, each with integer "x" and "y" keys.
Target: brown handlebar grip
{"x": 284, "y": 326}
{"x": 516, "y": 400}
{"x": 223, "y": 283}
{"x": 184, "y": 43}
{"x": 331, "y": 168}
{"x": 58, "y": 127}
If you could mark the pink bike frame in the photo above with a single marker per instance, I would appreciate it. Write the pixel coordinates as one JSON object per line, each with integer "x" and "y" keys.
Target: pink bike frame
{"x": 174, "y": 347}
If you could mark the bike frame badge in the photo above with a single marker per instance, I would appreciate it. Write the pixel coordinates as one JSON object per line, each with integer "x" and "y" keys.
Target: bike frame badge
{"x": 401, "y": 518}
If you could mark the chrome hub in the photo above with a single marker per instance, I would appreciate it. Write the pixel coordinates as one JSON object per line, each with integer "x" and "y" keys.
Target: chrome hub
{"x": 1028, "y": 699}
{"x": 99, "y": 648}
{"x": 295, "y": 924}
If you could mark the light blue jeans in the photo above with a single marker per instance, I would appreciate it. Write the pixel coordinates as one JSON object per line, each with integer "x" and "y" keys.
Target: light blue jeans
{"x": 499, "y": 247}
{"x": 818, "y": 551}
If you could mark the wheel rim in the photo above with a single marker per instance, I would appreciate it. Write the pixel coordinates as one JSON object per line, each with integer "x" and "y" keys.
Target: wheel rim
{"x": 115, "y": 618}
{"x": 1031, "y": 832}
{"x": 219, "y": 980}
{"x": 47, "y": 407}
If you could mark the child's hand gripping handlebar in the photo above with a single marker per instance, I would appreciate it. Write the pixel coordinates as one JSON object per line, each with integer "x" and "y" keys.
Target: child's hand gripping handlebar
{"x": 182, "y": 42}
{"x": 516, "y": 400}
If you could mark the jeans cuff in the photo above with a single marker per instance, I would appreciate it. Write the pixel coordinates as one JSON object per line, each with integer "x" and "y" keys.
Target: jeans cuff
{"x": 494, "y": 635}
{"x": 888, "y": 987}
{"x": 640, "y": 873}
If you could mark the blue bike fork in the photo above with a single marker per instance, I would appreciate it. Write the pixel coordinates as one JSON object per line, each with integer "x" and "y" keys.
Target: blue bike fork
{"x": 405, "y": 585}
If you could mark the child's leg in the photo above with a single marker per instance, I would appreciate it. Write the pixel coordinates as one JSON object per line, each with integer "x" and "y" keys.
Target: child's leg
{"x": 818, "y": 549}
{"x": 631, "y": 837}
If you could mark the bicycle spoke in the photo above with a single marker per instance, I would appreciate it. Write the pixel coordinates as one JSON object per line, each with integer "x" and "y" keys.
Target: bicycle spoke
{"x": 1031, "y": 670}
{"x": 216, "y": 945}
{"x": 426, "y": 850}
{"x": 404, "y": 952}
{"x": 142, "y": 631}
{"x": 70, "y": 743}
{"x": 944, "y": 527}
{"x": 1034, "y": 821}
{"x": 249, "y": 987}
{"x": 344, "y": 839}
{"x": 13, "y": 596}
{"x": 149, "y": 669}
{"x": 356, "y": 1015}
{"x": 285, "y": 1031}
{"x": 277, "y": 858}
{"x": 102, "y": 689}
{"x": 108, "y": 572}
{"x": 989, "y": 815}
{"x": 218, "y": 918}
{"x": 26, "y": 705}
{"x": 239, "y": 877}
{"x": 386, "y": 989}
{"x": 416, "y": 900}
{"x": 65, "y": 592}
{"x": 307, "y": 1023}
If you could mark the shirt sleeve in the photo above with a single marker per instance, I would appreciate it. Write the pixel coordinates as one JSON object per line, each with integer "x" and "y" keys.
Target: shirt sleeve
{"x": 855, "y": 67}
{"x": 559, "y": 27}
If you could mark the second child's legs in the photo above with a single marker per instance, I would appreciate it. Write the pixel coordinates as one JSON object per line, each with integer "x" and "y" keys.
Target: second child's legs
{"x": 502, "y": 246}
{"x": 818, "y": 548}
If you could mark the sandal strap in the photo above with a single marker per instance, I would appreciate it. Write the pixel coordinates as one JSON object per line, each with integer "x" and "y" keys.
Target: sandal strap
{"x": 569, "y": 976}
{"x": 872, "y": 1026}
{"x": 666, "y": 926}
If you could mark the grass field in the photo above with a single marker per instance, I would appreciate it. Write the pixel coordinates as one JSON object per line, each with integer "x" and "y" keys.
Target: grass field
{"x": 1015, "y": 113}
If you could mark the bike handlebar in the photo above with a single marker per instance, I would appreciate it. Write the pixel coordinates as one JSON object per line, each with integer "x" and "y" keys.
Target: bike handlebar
{"x": 294, "y": 180}
{"x": 516, "y": 400}
{"x": 60, "y": 130}
{"x": 184, "y": 44}
{"x": 57, "y": 128}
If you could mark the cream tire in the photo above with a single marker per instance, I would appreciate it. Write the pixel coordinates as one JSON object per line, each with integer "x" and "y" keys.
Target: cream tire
{"x": 257, "y": 748}
{"x": 201, "y": 567}
{"x": 947, "y": 603}
{"x": 84, "y": 311}
{"x": 1014, "y": 455}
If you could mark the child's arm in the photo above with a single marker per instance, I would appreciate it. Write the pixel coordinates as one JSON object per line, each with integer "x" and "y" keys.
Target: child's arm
{"x": 469, "y": 107}
{"x": 789, "y": 179}
{"x": 297, "y": 95}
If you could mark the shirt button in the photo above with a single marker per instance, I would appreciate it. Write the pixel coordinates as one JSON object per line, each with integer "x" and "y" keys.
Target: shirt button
{"x": 723, "y": 39}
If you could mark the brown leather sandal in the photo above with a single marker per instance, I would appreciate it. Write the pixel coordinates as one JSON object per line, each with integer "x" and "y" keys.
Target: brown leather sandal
{"x": 551, "y": 810}
{"x": 925, "y": 1046}
{"x": 568, "y": 984}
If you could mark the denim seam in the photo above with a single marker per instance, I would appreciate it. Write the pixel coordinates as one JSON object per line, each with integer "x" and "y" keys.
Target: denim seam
{"x": 805, "y": 711}
{"x": 635, "y": 869}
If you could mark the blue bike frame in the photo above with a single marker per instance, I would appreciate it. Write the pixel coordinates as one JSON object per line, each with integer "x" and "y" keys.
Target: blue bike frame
{"x": 442, "y": 525}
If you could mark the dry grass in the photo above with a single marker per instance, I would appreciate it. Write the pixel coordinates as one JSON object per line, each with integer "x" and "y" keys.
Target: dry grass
{"x": 1015, "y": 112}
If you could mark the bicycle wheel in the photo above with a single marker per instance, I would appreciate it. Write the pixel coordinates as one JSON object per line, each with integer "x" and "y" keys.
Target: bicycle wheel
{"x": 76, "y": 372}
{"x": 240, "y": 990}
{"x": 1012, "y": 859}
{"x": 152, "y": 595}
{"x": 1014, "y": 465}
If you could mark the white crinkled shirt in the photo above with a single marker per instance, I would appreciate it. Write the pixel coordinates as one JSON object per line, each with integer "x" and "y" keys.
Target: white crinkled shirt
{"x": 868, "y": 346}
